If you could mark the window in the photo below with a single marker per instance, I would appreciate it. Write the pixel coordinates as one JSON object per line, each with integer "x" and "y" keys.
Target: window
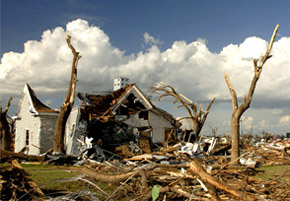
{"x": 27, "y": 138}
{"x": 143, "y": 115}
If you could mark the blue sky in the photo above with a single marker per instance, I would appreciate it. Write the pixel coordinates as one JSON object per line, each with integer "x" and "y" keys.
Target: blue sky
{"x": 187, "y": 44}
{"x": 220, "y": 22}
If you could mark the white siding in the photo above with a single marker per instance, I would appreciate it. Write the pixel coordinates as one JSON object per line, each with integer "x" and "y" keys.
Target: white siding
{"x": 158, "y": 124}
{"x": 158, "y": 134}
{"x": 69, "y": 129}
{"x": 134, "y": 121}
{"x": 40, "y": 128}
{"x": 28, "y": 122}
{"x": 156, "y": 121}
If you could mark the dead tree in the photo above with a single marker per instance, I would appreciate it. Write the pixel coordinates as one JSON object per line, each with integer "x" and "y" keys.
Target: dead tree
{"x": 237, "y": 111}
{"x": 196, "y": 114}
{"x": 65, "y": 109}
{"x": 6, "y": 137}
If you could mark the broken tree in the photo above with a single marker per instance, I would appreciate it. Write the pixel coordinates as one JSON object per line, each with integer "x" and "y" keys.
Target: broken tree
{"x": 239, "y": 110}
{"x": 196, "y": 115}
{"x": 65, "y": 109}
{"x": 6, "y": 138}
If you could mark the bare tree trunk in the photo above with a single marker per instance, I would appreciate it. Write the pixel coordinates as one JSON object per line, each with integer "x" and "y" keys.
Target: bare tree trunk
{"x": 6, "y": 138}
{"x": 65, "y": 109}
{"x": 238, "y": 111}
{"x": 235, "y": 125}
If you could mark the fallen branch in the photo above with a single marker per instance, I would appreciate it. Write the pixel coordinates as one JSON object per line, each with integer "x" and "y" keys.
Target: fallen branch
{"x": 31, "y": 184}
{"x": 106, "y": 177}
{"x": 230, "y": 163}
{"x": 197, "y": 169}
{"x": 122, "y": 185}
{"x": 6, "y": 155}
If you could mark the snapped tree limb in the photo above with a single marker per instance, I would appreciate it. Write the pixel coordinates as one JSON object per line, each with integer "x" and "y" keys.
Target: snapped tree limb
{"x": 65, "y": 109}
{"x": 195, "y": 112}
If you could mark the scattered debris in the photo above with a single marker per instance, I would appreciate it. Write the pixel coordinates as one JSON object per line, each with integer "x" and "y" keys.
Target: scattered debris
{"x": 181, "y": 170}
{"x": 16, "y": 185}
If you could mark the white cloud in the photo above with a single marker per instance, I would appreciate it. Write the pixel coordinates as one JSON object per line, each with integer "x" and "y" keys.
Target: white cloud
{"x": 247, "y": 123}
{"x": 263, "y": 123}
{"x": 285, "y": 120}
{"x": 191, "y": 67}
{"x": 277, "y": 112}
{"x": 151, "y": 40}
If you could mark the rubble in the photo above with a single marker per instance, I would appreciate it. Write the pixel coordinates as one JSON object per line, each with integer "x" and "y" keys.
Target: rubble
{"x": 181, "y": 170}
{"x": 180, "y": 176}
{"x": 15, "y": 184}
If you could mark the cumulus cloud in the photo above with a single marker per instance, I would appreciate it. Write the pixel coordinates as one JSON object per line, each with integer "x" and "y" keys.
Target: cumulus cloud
{"x": 263, "y": 123}
{"x": 247, "y": 123}
{"x": 277, "y": 112}
{"x": 190, "y": 67}
{"x": 285, "y": 120}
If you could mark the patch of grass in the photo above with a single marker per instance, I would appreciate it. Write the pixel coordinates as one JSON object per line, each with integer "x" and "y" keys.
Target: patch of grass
{"x": 49, "y": 179}
{"x": 274, "y": 171}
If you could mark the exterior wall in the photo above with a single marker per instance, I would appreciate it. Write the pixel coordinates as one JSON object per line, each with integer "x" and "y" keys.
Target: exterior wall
{"x": 70, "y": 129}
{"x": 158, "y": 124}
{"x": 27, "y": 122}
{"x": 47, "y": 128}
{"x": 120, "y": 83}
{"x": 136, "y": 122}
{"x": 158, "y": 134}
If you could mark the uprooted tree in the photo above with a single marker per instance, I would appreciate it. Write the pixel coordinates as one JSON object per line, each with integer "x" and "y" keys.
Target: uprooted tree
{"x": 237, "y": 111}
{"x": 6, "y": 137}
{"x": 65, "y": 109}
{"x": 196, "y": 114}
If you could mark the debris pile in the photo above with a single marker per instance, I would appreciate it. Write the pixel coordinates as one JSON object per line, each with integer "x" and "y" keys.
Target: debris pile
{"x": 15, "y": 184}
{"x": 177, "y": 176}
{"x": 176, "y": 171}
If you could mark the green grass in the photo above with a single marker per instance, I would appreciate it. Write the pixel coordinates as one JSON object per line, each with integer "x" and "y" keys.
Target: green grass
{"x": 48, "y": 178}
{"x": 272, "y": 172}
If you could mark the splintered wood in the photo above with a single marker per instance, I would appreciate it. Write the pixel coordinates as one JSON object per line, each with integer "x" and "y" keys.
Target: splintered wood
{"x": 16, "y": 184}
{"x": 172, "y": 174}
{"x": 189, "y": 179}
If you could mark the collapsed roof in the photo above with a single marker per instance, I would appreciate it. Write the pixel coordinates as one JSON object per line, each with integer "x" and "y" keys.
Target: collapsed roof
{"x": 125, "y": 101}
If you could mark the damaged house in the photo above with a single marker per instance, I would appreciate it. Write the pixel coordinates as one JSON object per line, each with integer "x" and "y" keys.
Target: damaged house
{"x": 35, "y": 124}
{"x": 122, "y": 117}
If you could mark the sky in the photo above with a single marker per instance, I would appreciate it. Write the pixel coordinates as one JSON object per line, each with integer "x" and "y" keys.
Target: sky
{"x": 186, "y": 44}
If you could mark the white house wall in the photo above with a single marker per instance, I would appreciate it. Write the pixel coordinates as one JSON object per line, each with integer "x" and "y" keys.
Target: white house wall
{"x": 135, "y": 121}
{"x": 71, "y": 125}
{"x": 156, "y": 121}
{"x": 158, "y": 134}
{"x": 158, "y": 124}
{"x": 30, "y": 123}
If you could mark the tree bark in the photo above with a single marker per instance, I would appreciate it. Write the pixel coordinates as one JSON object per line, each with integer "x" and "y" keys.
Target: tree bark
{"x": 235, "y": 127}
{"x": 197, "y": 169}
{"x": 9, "y": 155}
{"x": 65, "y": 109}
{"x": 239, "y": 110}
{"x": 6, "y": 138}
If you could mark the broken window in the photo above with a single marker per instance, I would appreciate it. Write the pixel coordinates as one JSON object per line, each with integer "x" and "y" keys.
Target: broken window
{"x": 143, "y": 115}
